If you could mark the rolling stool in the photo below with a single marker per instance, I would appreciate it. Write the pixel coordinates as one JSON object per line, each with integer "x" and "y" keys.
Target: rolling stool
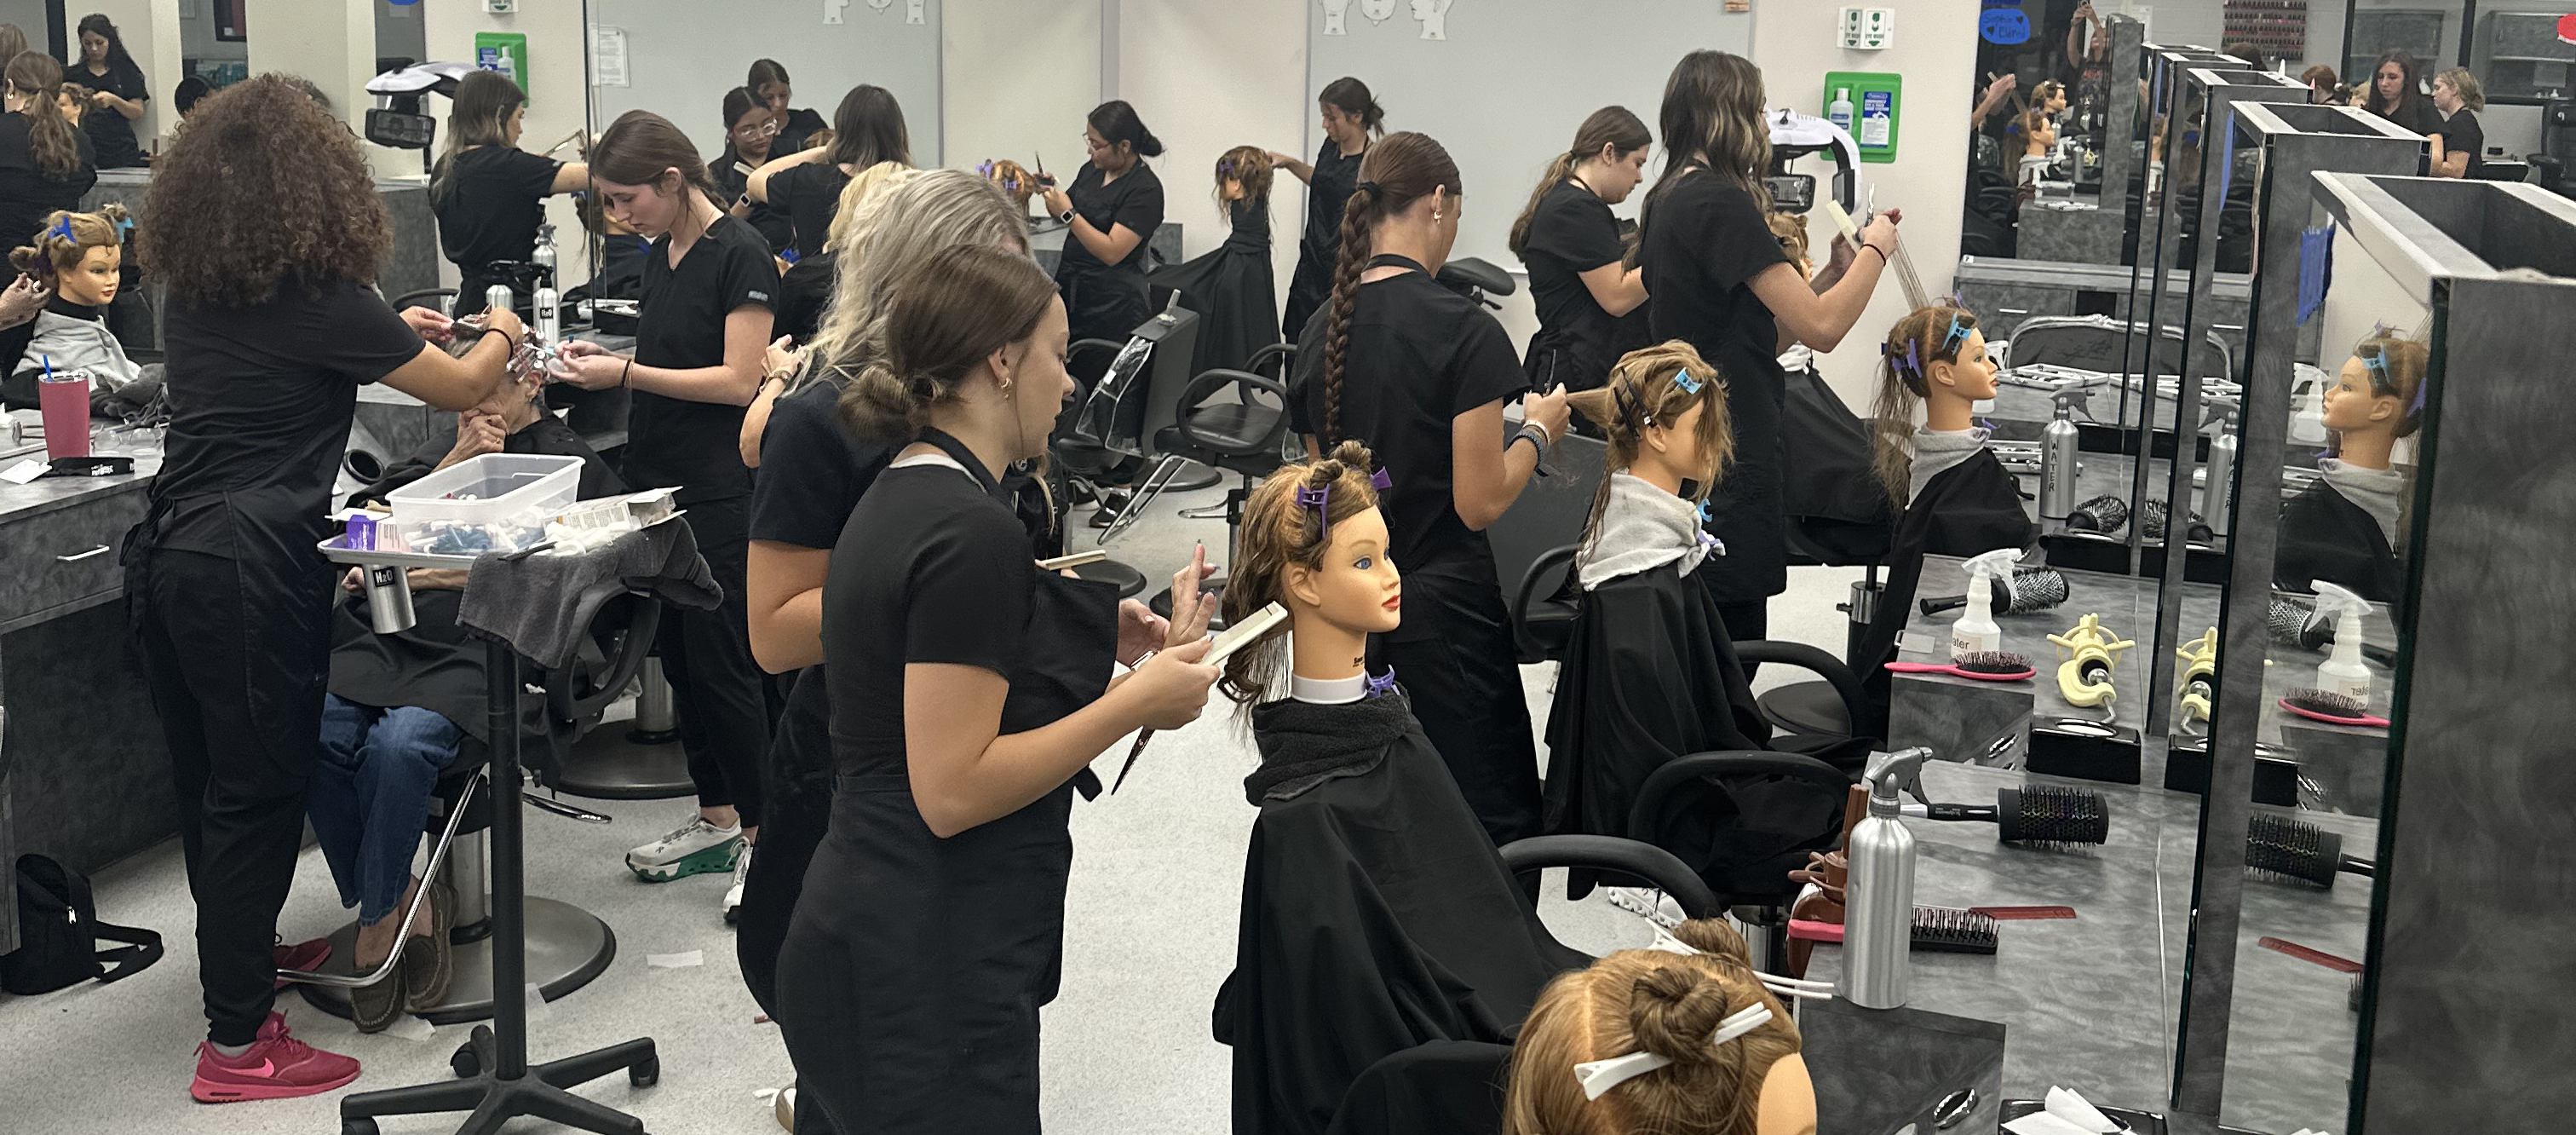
{"x": 566, "y": 946}
{"x": 1243, "y": 436}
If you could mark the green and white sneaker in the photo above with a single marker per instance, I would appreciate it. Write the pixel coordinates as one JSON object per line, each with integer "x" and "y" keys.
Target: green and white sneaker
{"x": 695, "y": 848}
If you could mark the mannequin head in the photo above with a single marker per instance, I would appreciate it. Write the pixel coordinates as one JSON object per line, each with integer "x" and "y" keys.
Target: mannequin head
{"x": 1669, "y": 1005}
{"x": 1013, "y": 179}
{"x": 78, "y": 254}
{"x": 1328, "y": 565}
{"x": 2038, "y": 118}
{"x": 1934, "y": 359}
{"x": 1243, "y": 174}
{"x": 1663, "y": 412}
{"x": 1791, "y": 230}
{"x": 2378, "y": 398}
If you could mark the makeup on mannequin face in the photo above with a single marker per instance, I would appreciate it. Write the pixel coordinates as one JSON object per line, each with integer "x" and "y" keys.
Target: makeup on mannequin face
{"x": 2351, "y": 404}
{"x": 1358, "y": 588}
{"x": 1972, "y": 377}
{"x": 93, "y": 281}
{"x": 647, "y": 209}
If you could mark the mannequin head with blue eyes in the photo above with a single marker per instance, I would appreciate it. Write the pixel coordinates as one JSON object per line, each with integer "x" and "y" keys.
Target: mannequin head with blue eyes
{"x": 1315, "y": 543}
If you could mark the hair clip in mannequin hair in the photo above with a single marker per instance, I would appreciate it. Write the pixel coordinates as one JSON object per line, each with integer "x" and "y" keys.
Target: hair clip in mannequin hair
{"x": 1381, "y": 481}
{"x": 1315, "y": 498}
{"x": 1225, "y": 165}
{"x": 1715, "y": 546}
{"x": 1380, "y": 685}
{"x": 1954, "y": 336}
{"x": 1599, "y": 1076}
{"x": 1689, "y": 385}
{"x": 2381, "y": 382}
{"x": 1703, "y": 512}
{"x": 124, "y": 228}
{"x": 1635, "y": 417}
{"x": 62, "y": 229}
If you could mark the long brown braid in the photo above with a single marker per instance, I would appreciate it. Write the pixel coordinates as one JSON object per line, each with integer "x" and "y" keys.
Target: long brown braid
{"x": 1401, "y": 168}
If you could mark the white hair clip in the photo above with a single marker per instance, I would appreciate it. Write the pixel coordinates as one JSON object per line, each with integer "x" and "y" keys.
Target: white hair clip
{"x": 1778, "y": 985}
{"x": 1599, "y": 1076}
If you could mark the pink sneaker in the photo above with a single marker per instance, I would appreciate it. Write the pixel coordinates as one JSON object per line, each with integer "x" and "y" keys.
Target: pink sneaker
{"x": 307, "y": 956}
{"x": 276, "y": 1067}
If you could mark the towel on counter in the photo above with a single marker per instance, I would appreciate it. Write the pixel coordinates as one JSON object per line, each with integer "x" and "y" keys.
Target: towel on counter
{"x": 542, "y": 604}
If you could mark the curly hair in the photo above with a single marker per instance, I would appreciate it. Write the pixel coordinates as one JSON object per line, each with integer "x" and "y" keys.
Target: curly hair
{"x": 1248, "y": 168}
{"x": 1279, "y": 533}
{"x": 67, "y": 238}
{"x": 262, "y": 186}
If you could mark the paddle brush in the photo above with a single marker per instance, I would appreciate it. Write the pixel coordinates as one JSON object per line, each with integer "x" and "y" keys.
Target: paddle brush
{"x": 2285, "y": 850}
{"x": 2037, "y": 814}
{"x": 1982, "y": 666}
{"x": 2333, "y": 709}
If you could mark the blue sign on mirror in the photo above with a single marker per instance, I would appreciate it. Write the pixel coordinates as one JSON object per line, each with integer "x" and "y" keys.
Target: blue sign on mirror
{"x": 2004, "y": 27}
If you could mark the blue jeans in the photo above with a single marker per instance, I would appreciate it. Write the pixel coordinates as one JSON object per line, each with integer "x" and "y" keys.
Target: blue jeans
{"x": 370, "y": 797}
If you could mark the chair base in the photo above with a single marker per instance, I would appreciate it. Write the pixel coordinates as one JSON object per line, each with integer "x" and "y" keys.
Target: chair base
{"x": 611, "y": 764}
{"x": 1192, "y": 477}
{"x": 1129, "y": 581}
{"x": 1215, "y": 588}
{"x": 1811, "y": 708}
{"x": 567, "y": 947}
{"x": 540, "y": 1091}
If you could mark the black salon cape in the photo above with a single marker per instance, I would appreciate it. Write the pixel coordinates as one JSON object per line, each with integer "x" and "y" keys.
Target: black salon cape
{"x": 1968, "y": 509}
{"x": 1649, "y": 675}
{"x": 1377, "y": 916}
{"x": 2326, "y": 536}
{"x": 1231, "y": 289}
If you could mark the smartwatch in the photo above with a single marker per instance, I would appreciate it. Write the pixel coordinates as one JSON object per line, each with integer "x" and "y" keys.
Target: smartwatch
{"x": 1065, "y": 218}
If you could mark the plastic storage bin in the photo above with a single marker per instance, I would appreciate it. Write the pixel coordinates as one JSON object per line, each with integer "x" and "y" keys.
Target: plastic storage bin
{"x": 495, "y": 502}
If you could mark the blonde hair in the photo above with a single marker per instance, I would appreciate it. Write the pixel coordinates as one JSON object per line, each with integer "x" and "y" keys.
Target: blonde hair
{"x": 2472, "y": 95}
{"x": 1279, "y": 532}
{"x": 1656, "y": 1002}
{"x": 1916, "y": 342}
{"x": 854, "y": 196}
{"x": 1644, "y": 390}
{"x": 915, "y": 214}
{"x": 67, "y": 238}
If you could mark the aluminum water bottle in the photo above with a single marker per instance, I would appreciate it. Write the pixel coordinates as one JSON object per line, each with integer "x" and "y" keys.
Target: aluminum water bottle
{"x": 1879, "y": 914}
{"x": 549, "y": 313}
{"x": 499, "y": 297}
{"x": 2058, "y": 450}
{"x": 2218, "y": 500}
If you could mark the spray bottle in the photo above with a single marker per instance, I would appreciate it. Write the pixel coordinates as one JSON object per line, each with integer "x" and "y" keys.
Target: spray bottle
{"x": 2057, "y": 455}
{"x": 1976, "y": 632}
{"x": 2218, "y": 497}
{"x": 543, "y": 255}
{"x": 2342, "y": 672}
{"x": 1879, "y": 914}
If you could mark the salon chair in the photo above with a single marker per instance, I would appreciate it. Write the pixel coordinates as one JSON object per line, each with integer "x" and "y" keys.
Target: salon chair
{"x": 1742, "y": 822}
{"x": 1533, "y": 543}
{"x": 1239, "y": 435}
{"x": 1085, "y": 459}
{"x": 566, "y": 946}
{"x": 1476, "y": 279}
{"x": 643, "y": 761}
{"x": 1129, "y": 413}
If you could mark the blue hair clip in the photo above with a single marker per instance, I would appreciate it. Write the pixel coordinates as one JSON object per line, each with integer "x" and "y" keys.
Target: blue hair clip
{"x": 1380, "y": 481}
{"x": 1380, "y": 685}
{"x": 1682, "y": 378}
{"x": 1703, "y": 512}
{"x": 62, "y": 228}
{"x": 1956, "y": 335}
{"x": 2376, "y": 363}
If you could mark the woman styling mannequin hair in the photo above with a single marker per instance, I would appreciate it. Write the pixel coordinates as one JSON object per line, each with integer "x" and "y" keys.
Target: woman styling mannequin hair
{"x": 2038, "y": 119}
{"x": 1351, "y": 117}
{"x": 2346, "y": 527}
{"x": 1580, "y": 276}
{"x": 1419, "y": 373}
{"x": 1647, "y": 634}
{"x": 806, "y": 185}
{"x": 1112, "y": 208}
{"x": 117, "y": 92}
{"x": 1728, "y": 1051}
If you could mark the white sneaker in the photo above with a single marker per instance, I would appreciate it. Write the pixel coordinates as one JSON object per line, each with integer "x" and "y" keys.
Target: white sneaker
{"x": 784, "y": 1107}
{"x": 733, "y": 894}
{"x": 694, "y": 848}
{"x": 1651, "y": 905}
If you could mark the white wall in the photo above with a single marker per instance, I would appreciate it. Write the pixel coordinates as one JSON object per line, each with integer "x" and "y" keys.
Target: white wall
{"x": 1017, "y": 77}
{"x": 681, "y": 64}
{"x": 558, "y": 82}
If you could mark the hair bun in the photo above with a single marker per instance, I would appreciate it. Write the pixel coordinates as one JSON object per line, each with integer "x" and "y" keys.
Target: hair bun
{"x": 1674, "y": 1010}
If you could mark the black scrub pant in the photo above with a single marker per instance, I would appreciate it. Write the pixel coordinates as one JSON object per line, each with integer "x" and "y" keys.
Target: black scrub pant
{"x": 719, "y": 691}
{"x": 237, "y": 655}
{"x": 797, "y": 802}
{"x": 1465, "y": 686}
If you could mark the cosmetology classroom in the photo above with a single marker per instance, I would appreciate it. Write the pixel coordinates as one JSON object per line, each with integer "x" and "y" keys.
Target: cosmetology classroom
{"x": 1712, "y": 567}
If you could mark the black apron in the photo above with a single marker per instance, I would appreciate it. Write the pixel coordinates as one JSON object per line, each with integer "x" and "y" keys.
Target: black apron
{"x": 1969, "y": 509}
{"x": 914, "y": 970}
{"x": 1103, "y": 301}
{"x": 2326, "y": 536}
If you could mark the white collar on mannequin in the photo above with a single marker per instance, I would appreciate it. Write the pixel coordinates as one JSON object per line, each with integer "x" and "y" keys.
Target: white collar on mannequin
{"x": 1327, "y": 691}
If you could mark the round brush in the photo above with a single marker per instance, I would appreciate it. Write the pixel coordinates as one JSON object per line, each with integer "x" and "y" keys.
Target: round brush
{"x": 1982, "y": 666}
{"x": 2286, "y": 850}
{"x": 2036, "y": 813}
{"x": 2333, "y": 709}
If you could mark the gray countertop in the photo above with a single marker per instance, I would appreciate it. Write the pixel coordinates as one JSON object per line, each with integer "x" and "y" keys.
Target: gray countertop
{"x": 46, "y": 494}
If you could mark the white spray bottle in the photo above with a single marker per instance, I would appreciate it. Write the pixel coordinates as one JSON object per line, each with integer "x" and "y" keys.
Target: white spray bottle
{"x": 1976, "y": 632}
{"x": 2342, "y": 672}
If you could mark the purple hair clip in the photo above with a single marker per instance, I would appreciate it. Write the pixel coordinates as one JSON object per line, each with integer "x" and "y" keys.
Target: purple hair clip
{"x": 1715, "y": 546}
{"x": 1225, "y": 165}
{"x": 1380, "y": 481}
{"x": 1380, "y": 685}
{"x": 985, "y": 168}
{"x": 1314, "y": 498}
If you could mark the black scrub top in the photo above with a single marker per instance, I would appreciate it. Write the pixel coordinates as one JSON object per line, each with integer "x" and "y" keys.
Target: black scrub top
{"x": 813, "y": 472}
{"x": 810, "y": 195}
{"x": 2462, "y": 133}
{"x": 1328, "y": 190}
{"x": 260, "y": 401}
{"x": 26, "y": 192}
{"x": 1704, "y": 243}
{"x": 694, "y": 446}
{"x": 110, "y": 132}
{"x": 1419, "y": 356}
{"x": 1134, "y": 200}
{"x": 489, "y": 209}
{"x": 732, "y": 176}
{"x": 798, "y": 126}
{"x": 1572, "y": 233}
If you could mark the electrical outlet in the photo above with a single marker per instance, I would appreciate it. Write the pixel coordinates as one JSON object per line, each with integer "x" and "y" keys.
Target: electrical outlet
{"x": 1868, "y": 29}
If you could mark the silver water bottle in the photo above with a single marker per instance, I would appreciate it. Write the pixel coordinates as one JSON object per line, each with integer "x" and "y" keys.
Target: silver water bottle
{"x": 499, "y": 297}
{"x": 549, "y": 313}
{"x": 1879, "y": 911}
{"x": 2218, "y": 499}
{"x": 2058, "y": 449}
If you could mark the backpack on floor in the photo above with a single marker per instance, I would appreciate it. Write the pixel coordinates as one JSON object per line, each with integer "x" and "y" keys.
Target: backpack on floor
{"x": 59, "y": 932}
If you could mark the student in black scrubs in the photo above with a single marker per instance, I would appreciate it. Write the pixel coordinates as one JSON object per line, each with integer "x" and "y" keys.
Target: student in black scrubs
{"x": 1351, "y": 118}
{"x": 768, "y": 79}
{"x": 45, "y": 164}
{"x": 1419, "y": 373}
{"x": 118, "y": 93}
{"x": 2395, "y": 94}
{"x": 709, "y": 286}
{"x": 806, "y": 185}
{"x": 1114, "y": 207}
{"x": 751, "y": 128}
{"x": 488, "y": 194}
{"x": 2460, "y": 143}
{"x": 1577, "y": 259}
{"x": 268, "y": 235}
{"x": 970, "y": 692}
{"x": 1723, "y": 284}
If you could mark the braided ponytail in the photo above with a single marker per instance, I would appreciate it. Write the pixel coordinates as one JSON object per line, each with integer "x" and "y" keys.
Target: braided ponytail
{"x": 1400, "y": 169}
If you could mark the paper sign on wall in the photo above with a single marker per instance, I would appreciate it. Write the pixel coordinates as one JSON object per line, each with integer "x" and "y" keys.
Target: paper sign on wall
{"x": 607, "y": 56}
